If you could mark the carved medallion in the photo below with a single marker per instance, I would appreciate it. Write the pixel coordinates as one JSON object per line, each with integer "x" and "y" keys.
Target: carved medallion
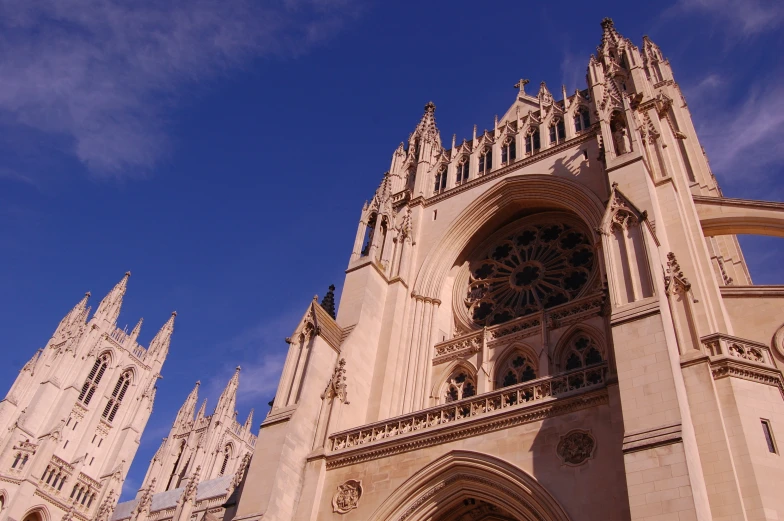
{"x": 347, "y": 496}
{"x": 576, "y": 447}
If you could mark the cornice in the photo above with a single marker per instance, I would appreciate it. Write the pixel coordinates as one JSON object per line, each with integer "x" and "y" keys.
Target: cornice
{"x": 470, "y": 428}
{"x": 726, "y": 367}
{"x": 752, "y": 291}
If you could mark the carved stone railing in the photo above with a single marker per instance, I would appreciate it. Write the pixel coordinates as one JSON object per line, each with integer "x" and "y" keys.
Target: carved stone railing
{"x": 516, "y": 396}
{"x": 531, "y": 324}
{"x": 719, "y": 344}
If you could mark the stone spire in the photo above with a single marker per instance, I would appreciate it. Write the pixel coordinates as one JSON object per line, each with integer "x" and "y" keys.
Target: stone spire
{"x": 109, "y": 308}
{"x": 159, "y": 347}
{"x": 328, "y": 302}
{"x": 136, "y": 330}
{"x": 202, "y": 410}
{"x": 249, "y": 422}
{"x": 228, "y": 398}
{"x": 185, "y": 414}
{"x": 78, "y": 311}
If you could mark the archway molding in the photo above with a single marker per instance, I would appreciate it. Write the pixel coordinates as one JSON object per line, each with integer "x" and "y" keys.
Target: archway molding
{"x": 38, "y": 513}
{"x": 510, "y": 195}
{"x": 458, "y": 475}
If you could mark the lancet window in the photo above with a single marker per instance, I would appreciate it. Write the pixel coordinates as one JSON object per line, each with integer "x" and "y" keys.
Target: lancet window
{"x": 176, "y": 464}
{"x": 118, "y": 394}
{"x": 557, "y": 132}
{"x": 441, "y": 177}
{"x": 460, "y": 385}
{"x": 462, "y": 170}
{"x": 485, "y": 161}
{"x": 582, "y": 120}
{"x": 581, "y": 351}
{"x": 508, "y": 151}
{"x": 226, "y": 457}
{"x": 20, "y": 460}
{"x": 94, "y": 378}
{"x": 518, "y": 368}
{"x": 369, "y": 231}
{"x": 532, "y": 141}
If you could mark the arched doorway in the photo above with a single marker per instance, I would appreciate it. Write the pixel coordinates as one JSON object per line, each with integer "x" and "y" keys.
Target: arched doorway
{"x": 35, "y": 515}
{"x": 464, "y": 485}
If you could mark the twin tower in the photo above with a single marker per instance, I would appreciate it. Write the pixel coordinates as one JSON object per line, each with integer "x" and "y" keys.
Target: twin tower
{"x": 72, "y": 422}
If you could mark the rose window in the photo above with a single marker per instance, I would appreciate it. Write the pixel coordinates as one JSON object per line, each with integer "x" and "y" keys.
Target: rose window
{"x": 538, "y": 266}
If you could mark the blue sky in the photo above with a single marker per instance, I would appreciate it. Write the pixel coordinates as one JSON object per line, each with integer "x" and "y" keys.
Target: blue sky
{"x": 222, "y": 151}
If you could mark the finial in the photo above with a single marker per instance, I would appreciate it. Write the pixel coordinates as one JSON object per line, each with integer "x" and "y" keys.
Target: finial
{"x": 237, "y": 368}
{"x": 88, "y": 294}
{"x": 454, "y": 139}
{"x": 430, "y": 107}
{"x": 174, "y": 313}
{"x": 607, "y": 23}
{"x": 521, "y": 85}
{"x": 127, "y": 273}
{"x": 198, "y": 383}
{"x": 315, "y": 298}
{"x": 328, "y": 302}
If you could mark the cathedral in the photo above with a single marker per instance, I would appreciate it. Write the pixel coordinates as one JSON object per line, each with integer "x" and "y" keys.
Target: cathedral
{"x": 551, "y": 321}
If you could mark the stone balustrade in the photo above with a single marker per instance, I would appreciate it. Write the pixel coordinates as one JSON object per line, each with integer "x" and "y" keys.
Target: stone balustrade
{"x": 515, "y": 396}
{"x": 531, "y": 324}
{"x": 720, "y": 344}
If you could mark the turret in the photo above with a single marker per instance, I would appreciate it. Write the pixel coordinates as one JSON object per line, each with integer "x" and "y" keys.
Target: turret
{"x": 109, "y": 308}
{"x": 228, "y": 398}
{"x": 185, "y": 414}
{"x": 135, "y": 333}
{"x": 159, "y": 347}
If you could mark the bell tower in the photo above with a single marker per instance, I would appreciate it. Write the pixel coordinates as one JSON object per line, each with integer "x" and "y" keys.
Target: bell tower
{"x": 71, "y": 423}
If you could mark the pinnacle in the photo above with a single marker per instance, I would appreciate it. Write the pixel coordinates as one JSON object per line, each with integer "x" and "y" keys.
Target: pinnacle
{"x": 430, "y": 107}
{"x": 607, "y": 23}
{"x": 328, "y": 302}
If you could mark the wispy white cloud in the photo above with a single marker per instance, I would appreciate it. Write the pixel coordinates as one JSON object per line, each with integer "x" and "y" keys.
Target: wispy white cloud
{"x": 745, "y": 17}
{"x": 573, "y": 68}
{"x": 261, "y": 351}
{"x": 742, "y": 139}
{"x": 104, "y": 74}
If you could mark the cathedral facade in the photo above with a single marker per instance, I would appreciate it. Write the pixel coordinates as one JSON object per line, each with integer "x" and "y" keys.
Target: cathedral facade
{"x": 550, "y": 321}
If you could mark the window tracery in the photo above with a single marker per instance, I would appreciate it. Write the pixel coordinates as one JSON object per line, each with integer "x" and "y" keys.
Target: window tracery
{"x": 226, "y": 456}
{"x": 441, "y": 178}
{"x": 536, "y": 266}
{"x": 557, "y": 132}
{"x": 94, "y": 378}
{"x": 118, "y": 394}
{"x": 581, "y": 351}
{"x": 508, "y": 151}
{"x": 518, "y": 368}
{"x": 532, "y": 141}
{"x": 460, "y": 385}
{"x": 582, "y": 119}
{"x": 485, "y": 161}
{"x": 462, "y": 170}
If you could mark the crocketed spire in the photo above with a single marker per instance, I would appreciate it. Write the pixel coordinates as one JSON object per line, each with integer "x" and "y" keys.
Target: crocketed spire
{"x": 185, "y": 414}
{"x": 228, "y": 398}
{"x": 328, "y": 302}
{"x": 109, "y": 308}
{"x": 159, "y": 347}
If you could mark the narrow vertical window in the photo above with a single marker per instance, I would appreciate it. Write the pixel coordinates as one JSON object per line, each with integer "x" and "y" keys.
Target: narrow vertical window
{"x": 16, "y": 460}
{"x": 462, "y": 171}
{"x": 93, "y": 379}
{"x": 508, "y": 152}
{"x": 226, "y": 456}
{"x": 118, "y": 394}
{"x": 768, "y": 432}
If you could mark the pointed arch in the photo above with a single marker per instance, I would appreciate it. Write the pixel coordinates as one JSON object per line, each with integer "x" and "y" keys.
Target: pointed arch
{"x": 564, "y": 347}
{"x": 37, "y": 513}
{"x": 459, "y": 377}
{"x": 518, "y": 363}
{"x": 458, "y": 475}
{"x": 500, "y": 202}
